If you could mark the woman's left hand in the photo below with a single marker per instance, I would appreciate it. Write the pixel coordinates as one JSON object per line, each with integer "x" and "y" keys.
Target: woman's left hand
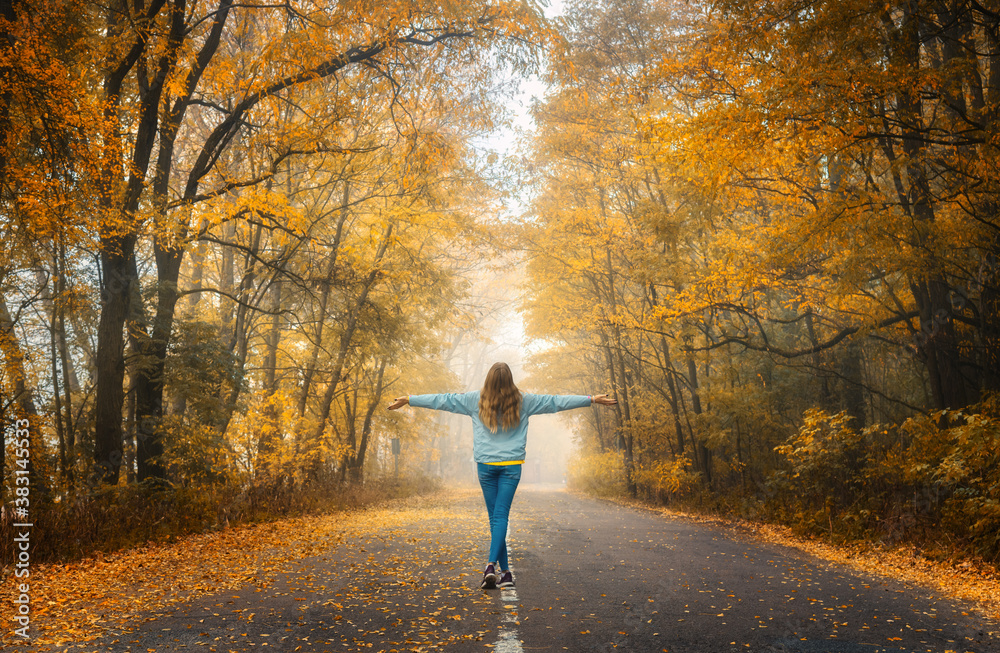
{"x": 604, "y": 400}
{"x": 399, "y": 402}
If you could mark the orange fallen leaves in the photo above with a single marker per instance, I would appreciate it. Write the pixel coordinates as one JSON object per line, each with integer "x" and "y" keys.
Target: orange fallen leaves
{"x": 77, "y": 602}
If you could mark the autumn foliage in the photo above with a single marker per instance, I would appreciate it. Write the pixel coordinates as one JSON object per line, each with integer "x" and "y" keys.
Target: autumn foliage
{"x": 231, "y": 231}
{"x": 770, "y": 228}
{"x": 228, "y": 231}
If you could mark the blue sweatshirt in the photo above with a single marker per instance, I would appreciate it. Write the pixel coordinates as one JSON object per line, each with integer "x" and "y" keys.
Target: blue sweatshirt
{"x": 506, "y": 444}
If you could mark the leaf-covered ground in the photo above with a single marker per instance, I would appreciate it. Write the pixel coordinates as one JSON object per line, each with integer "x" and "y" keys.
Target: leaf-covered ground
{"x": 72, "y": 604}
{"x": 591, "y": 575}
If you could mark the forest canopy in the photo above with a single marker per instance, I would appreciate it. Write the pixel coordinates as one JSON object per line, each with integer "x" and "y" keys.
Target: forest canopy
{"x": 230, "y": 228}
{"x": 771, "y": 228}
{"x": 231, "y": 231}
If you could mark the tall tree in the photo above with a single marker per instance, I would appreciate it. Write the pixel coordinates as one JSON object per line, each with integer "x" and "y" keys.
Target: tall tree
{"x": 171, "y": 60}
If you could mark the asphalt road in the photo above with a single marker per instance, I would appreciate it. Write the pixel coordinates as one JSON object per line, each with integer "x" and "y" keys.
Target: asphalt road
{"x": 591, "y": 576}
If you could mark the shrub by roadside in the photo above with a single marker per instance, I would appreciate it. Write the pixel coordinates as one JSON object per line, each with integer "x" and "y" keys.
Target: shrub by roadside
{"x": 110, "y": 519}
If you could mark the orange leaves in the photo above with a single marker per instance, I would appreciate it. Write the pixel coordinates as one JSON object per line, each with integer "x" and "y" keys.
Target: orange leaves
{"x": 77, "y": 602}
{"x": 668, "y": 476}
{"x": 49, "y": 116}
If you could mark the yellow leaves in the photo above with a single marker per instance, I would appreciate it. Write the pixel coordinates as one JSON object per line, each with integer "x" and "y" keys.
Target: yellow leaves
{"x": 79, "y": 600}
{"x": 670, "y": 476}
{"x": 600, "y": 474}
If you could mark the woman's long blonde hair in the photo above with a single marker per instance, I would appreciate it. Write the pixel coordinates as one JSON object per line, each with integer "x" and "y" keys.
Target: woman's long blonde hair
{"x": 499, "y": 398}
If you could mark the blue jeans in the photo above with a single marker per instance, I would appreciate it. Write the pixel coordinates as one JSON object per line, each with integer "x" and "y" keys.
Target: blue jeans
{"x": 499, "y": 482}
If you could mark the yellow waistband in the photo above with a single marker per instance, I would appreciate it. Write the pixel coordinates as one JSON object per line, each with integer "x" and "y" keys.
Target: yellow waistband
{"x": 508, "y": 462}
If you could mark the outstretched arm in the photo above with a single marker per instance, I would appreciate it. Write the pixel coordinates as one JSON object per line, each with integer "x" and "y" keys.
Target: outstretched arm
{"x": 463, "y": 404}
{"x": 538, "y": 404}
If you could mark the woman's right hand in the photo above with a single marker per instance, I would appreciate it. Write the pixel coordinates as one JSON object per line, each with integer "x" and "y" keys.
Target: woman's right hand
{"x": 604, "y": 400}
{"x": 399, "y": 402}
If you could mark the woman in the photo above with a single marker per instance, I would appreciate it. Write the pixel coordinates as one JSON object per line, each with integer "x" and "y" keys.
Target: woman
{"x": 499, "y": 415}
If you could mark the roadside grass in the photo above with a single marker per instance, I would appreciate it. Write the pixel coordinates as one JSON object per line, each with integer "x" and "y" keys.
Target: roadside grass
{"x": 111, "y": 519}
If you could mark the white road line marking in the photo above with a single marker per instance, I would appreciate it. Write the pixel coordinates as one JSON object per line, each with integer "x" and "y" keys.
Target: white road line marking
{"x": 510, "y": 639}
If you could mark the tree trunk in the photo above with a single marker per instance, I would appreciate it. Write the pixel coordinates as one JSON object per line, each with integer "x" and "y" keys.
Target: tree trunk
{"x": 930, "y": 292}
{"x": 358, "y": 460}
{"x": 267, "y": 442}
{"x": 347, "y": 337}
{"x": 56, "y": 391}
{"x": 852, "y": 392}
{"x": 150, "y": 374}
{"x": 989, "y": 312}
{"x": 238, "y": 340}
{"x": 825, "y": 397}
{"x": 118, "y": 233}
{"x": 668, "y": 367}
{"x": 198, "y": 255}
{"x": 117, "y": 287}
{"x": 22, "y": 399}
{"x": 324, "y": 299}
{"x": 71, "y": 383}
{"x": 227, "y": 278}
{"x": 703, "y": 451}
